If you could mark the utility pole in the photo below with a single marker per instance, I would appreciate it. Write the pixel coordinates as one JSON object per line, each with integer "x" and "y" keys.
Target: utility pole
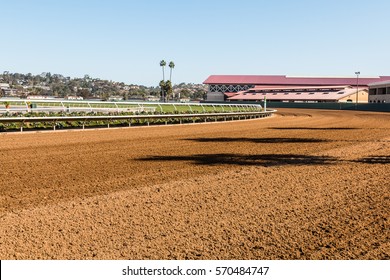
{"x": 357, "y": 86}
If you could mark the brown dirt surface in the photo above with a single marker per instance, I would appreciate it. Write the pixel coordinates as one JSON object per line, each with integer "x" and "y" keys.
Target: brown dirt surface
{"x": 303, "y": 184}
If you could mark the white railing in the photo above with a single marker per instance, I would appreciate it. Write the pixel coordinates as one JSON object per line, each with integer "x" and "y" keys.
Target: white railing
{"x": 205, "y": 117}
{"x": 53, "y": 105}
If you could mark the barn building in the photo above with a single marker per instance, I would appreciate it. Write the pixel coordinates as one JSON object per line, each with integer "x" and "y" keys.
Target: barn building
{"x": 379, "y": 92}
{"x": 289, "y": 89}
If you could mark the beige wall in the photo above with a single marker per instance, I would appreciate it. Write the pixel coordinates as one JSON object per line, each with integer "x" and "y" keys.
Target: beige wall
{"x": 362, "y": 97}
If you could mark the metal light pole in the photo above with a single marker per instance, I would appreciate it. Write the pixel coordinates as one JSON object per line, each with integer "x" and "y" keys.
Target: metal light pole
{"x": 357, "y": 86}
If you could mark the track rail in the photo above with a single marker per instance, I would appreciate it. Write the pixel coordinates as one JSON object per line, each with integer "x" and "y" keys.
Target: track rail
{"x": 50, "y": 105}
{"x": 129, "y": 118}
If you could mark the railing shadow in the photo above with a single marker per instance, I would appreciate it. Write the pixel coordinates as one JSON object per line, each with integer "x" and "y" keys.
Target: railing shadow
{"x": 258, "y": 140}
{"x": 314, "y": 128}
{"x": 247, "y": 160}
{"x": 374, "y": 160}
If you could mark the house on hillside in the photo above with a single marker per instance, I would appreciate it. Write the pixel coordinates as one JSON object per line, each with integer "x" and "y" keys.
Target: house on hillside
{"x": 4, "y": 86}
{"x": 6, "y": 90}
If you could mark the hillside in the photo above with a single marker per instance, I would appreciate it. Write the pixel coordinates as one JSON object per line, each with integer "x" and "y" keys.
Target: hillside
{"x": 57, "y": 85}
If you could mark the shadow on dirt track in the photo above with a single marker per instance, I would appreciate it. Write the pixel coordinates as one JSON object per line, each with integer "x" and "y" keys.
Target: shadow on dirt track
{"x": 314, "y": 128}
{"x": 249, "y": 160}
{"x": 258, "y": 140}
{"x": 374, "y": 160}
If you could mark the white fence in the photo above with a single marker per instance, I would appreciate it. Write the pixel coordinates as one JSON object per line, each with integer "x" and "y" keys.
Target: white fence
{"x": 125, "y": 112}
{"x": 53, "y": 105}
{"x": 205, "y": 117}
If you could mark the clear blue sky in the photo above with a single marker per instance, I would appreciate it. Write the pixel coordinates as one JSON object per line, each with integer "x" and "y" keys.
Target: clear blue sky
{"x": 125, "y": 40}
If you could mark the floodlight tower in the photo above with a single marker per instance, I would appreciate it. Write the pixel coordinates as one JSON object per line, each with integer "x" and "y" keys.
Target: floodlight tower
{"x": 357, "y": 86}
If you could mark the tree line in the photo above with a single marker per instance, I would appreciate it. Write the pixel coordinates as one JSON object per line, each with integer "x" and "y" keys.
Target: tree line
{"x": 87, "y": 87}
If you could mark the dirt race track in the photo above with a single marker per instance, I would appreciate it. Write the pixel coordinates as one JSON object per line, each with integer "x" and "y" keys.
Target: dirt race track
{"x": 304, "y": 184}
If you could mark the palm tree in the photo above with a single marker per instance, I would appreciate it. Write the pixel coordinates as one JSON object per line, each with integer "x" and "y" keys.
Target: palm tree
{"x": 162, "y": 86}
{"x": 168, "y": 89}
{"x": 171, "y": 66}
{"x": 163, "y": 64}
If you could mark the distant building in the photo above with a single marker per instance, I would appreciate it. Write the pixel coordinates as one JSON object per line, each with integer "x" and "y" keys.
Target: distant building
{"x": 152, "y": 98}
{"x": 73, "y": 97}
{"x": 37, "y": 97}
{"x": 4, "y": 86}
{"x": 288, "y": 89}
{"x": 7, "y": 90}
{"x": 379, "y": 92}
{"x": 115, "y": 98}
{"x": 185, "y": 100}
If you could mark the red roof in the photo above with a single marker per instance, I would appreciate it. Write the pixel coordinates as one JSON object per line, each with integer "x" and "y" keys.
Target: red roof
{"x": 229, "y": 94}
{"x": 285, "y": 80}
